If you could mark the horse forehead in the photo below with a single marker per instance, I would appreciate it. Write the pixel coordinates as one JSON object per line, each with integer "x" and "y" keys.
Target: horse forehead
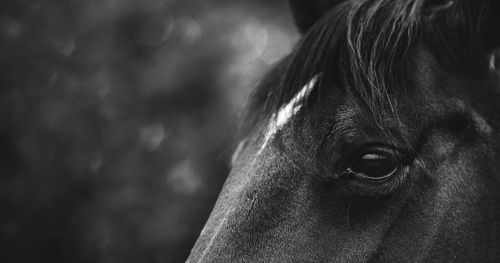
{"x": 279, "y": 120}
{"x": 426, "y": 66}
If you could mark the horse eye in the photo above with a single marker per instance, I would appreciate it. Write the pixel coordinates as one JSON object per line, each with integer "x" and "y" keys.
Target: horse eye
{"x": 374, "y": 166}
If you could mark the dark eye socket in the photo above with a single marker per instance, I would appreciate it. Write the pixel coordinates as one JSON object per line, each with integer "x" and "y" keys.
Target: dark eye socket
{"x": 374, "y": 165}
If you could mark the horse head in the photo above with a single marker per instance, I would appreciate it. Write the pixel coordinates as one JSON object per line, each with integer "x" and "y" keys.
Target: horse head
{"x": 377, "y": 139}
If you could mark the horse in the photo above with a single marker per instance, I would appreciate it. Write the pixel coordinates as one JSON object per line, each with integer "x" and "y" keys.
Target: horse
{"x": 375, "y": 140}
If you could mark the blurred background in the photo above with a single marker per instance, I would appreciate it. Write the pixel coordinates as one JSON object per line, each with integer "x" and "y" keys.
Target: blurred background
{"x": 118, "y": 118}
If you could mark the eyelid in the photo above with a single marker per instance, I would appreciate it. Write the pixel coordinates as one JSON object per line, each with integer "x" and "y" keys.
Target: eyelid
{"x": 349, "y": 172}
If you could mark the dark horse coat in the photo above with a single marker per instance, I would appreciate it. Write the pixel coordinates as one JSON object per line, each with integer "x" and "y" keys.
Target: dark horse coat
{"x": 376, "y": 140}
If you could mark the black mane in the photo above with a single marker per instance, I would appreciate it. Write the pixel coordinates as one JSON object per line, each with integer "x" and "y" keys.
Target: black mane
{"x": 364, "y": 47}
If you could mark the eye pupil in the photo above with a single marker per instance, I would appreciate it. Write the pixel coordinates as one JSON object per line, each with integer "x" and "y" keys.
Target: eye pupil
{"x": 374, "y": 165}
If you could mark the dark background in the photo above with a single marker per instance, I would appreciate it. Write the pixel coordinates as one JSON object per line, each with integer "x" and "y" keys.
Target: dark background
{"x": 118, "y": 118}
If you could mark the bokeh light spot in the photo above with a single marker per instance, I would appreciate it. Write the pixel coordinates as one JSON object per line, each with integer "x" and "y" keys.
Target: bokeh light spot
{"x": 184, "y": 179}
{"x": 152, "y": 136}
{"x": 190, "y": 29}
{"x": 249, "y": 41}
{"x": 11, "y": 28}
{"x": 65, "y": 46}
{"x": 279, "y": 45}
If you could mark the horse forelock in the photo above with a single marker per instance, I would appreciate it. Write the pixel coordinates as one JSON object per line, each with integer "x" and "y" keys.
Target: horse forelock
{"x": 361, "y": 45}
{"x": 365, "y": 48}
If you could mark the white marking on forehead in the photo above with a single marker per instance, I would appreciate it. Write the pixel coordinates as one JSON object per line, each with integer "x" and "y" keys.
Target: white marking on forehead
{"x": 481, "y": 123}
{"x": 285, "y": 114}
{"x": 493, "y": 62}
{"x": 237, "y": 152}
